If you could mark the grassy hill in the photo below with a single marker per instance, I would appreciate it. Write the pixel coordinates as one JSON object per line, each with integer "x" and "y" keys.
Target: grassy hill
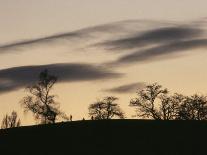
{"x": 141, "y": 137}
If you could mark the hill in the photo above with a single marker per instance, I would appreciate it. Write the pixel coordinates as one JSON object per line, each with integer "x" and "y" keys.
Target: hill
{"x": 141, "y": 137}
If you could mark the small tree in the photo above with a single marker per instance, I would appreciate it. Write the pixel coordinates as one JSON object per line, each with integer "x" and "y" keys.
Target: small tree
{"x": 41, "y": 103}
{"x": 105, "y": 109}
{"x": 10, "y": 121}
{"x": 193, "y": 108}
{"x": 146, "y": 100}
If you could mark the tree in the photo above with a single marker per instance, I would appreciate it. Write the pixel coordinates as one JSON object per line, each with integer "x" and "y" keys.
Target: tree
{"x": 10, "y": 121}
{"x": 146, "y": 100}
{"x": 105, "y": 109}
{"x": 169, "y": 106}
{"x": 40, "y": 102}
{"x": 193, "y": 108}
{"x": 154, "y": 102}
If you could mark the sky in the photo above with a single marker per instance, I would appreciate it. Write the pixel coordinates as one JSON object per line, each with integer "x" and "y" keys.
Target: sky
{"x": 99, "y": 48}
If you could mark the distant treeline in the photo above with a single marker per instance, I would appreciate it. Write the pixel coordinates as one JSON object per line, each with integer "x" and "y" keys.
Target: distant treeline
{"x": 152, "y": 102}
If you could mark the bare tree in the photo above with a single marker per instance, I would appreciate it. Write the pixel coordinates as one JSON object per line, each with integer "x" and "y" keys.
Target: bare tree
{"x": 10, "y": 121}
{"x": 41, "y": 103}
{"x": 146, "y": 101}
{"x": 169, "y": 106}
{"x": 193, "y": 108}
{"x": 105, "y": 109}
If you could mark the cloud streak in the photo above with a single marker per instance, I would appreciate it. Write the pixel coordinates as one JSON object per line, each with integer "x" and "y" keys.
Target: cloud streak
{"x": 39, "y": 41}
{"x": 155, "y": 36}
{"x": 84, "y": 34}
{"x": 19, "y": 77}
{"x": 128, "y": 88}
{"x": 162, "y": 52}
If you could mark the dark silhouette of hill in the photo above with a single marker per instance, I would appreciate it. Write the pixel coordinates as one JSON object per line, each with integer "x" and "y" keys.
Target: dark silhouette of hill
{"x": 141, "y": 137}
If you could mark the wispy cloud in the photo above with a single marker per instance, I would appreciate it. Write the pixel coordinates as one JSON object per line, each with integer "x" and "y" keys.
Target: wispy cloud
{"x": 161, "y": 52}
{"x": 162, "y": 42}
{"x": 19, "y": 77}
{"x": 142, "y": 41}
{"x": 155, "y": 36}
{"x": 12, "y": 47}
{"x": 84, "y": 34}
{"x": 128, "y": 88}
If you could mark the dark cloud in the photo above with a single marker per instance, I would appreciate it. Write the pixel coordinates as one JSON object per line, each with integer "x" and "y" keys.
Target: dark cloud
{"x": 18, "y": 77}
{"x": 128, "y": 88}
{"x": 157, "y": 35}
{"x": 163, "y": 51}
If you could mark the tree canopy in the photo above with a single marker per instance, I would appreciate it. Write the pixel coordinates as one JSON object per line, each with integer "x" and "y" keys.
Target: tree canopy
{"x": 154, "y": 102}
{"x": 105, "y": 109}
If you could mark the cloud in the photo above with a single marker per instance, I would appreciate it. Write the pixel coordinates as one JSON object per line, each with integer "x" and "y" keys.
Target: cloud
{"x": 85, "y": 34}
{"x": 162, "y": 51}
{"x": 95, "y": 34}
{"x": 150, "y": 37}
{"x": 141, "y": 40}
{"x": 19, "y": 77}
{"x": 128, "y": 88}
{"x": 157, "y": 43}
{"x": 39, "y": 41}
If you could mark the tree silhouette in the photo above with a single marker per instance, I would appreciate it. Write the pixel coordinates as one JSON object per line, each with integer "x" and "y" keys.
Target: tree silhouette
{"x": 170, "y": 106}
{"x": 146, "y": 100}
{"x": 193, "y": 108}
{"x": 40, "y": 102}
{"x": 155, "y": 103}
{"x": 10, "y": 121}
{"x": 105, "y": 109}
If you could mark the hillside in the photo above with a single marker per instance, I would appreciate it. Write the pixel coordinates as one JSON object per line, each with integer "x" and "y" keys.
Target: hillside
{"x": 107, "y": 137}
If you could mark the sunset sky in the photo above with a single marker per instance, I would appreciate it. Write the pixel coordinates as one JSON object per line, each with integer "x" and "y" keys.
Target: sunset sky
{"x": 99, "y": 48}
